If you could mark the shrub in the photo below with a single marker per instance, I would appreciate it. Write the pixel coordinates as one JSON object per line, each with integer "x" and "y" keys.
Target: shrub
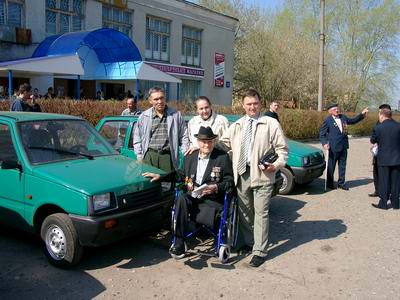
{"x": 297, "y": 124}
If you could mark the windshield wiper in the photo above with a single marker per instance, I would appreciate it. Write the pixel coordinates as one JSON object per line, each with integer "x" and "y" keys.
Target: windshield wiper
{"x": 88, "y": 156}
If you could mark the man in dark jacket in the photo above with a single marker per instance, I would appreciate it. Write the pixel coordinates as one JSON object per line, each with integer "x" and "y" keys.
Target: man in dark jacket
{"x": 387, "y": 136}
{"x": 24, "y": 94}
{"x": 375, "y": 173}
{"x": 273, "y": 110}
{"x": 333, "y": 137}
{"x": 210, "y": 169}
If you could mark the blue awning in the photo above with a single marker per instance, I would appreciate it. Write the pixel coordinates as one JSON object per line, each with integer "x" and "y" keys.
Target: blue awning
{"x": 110, "y": 45}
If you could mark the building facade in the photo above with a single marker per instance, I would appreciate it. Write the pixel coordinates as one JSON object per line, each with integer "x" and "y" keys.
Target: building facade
{"x": 178, "y": 37}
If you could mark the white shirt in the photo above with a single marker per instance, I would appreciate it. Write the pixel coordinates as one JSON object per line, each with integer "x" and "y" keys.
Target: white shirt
{"x": 339, "y": 123}
{"x": 201, "y": 168}
{"x": 218, "y": 123}
{"x": 253, "y": 131}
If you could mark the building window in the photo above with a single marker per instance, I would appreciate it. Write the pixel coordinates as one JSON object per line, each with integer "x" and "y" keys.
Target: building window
{"x": 191, "y": 46}
{"x": 117, "y": 19}
{"x": 190, "y": 90}
{"x": 150, "y": 84}
{"x": 64, "y": 16}
{"x": 11, "y": 13}
{"x": 158, "y": 32}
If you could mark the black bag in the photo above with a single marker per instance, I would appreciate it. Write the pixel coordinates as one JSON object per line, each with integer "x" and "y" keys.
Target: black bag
{"x": 269, "y": 158}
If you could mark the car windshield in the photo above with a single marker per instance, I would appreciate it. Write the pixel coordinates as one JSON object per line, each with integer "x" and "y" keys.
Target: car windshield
{"x": 56, "y": 140}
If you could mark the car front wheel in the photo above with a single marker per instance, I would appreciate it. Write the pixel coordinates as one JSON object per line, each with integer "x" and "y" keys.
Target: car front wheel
{"x": 288, "y": 182}
{"x": 61, "y": 245}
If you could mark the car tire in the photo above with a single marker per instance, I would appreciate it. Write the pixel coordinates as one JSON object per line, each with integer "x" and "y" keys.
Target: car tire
{"x": 60, "y": 241}
{"x": 288, "y": 182}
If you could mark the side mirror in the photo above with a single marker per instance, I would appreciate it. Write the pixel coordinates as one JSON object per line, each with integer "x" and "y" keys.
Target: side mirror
{"x": 11, "y": 164}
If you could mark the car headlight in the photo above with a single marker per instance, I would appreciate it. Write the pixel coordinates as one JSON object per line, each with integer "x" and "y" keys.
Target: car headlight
{"x": 306, "y": 161}
{"x": 101, "y": 202}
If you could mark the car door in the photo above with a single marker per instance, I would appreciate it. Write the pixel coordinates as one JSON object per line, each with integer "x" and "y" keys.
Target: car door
{"x": 11, "y": 181}
{"x": 119, "y": 133}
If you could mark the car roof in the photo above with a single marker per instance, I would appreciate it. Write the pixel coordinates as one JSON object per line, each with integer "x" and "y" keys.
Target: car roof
{"x": 34, "y": 116}
{"x": 117, "y": 117}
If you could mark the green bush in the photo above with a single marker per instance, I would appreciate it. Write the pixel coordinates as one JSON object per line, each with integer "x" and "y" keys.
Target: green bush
{"x": 297, "y": 124}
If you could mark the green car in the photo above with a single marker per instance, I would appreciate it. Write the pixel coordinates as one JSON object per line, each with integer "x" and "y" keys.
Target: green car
{"x": 60, "y": 178}
{"x": 305, "y": 163}
{"x": 118, "y": 131}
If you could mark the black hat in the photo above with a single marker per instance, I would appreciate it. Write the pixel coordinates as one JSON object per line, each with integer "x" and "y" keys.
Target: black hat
{"x": 332, "y": 105}
{"x": 205, "y": 133}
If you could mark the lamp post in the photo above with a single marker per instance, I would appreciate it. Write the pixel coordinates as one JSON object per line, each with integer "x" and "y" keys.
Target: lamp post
{"x": 321, "y": 55}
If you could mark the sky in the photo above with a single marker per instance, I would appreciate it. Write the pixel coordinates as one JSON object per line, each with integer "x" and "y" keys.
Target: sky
{"x": 265, "y": 3}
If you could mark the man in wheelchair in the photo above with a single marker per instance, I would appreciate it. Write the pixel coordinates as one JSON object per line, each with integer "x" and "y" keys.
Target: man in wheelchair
{"x": 207, "y": 176}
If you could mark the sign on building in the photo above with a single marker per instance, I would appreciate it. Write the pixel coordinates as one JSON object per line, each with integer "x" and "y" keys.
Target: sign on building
{"x": 219, "y": 70}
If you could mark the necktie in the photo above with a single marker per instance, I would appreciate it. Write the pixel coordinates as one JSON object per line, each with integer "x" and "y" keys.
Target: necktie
{"x": 244, "y": 148}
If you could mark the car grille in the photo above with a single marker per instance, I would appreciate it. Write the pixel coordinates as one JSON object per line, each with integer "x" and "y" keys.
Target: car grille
{"x": 139, "y": 200}
{"x": 316, "y": 159}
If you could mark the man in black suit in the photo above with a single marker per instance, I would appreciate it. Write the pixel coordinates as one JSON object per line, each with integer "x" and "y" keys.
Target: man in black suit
{"x": 333, "y": 137}
{"x": 206, "y": 166}
{"x": 387, "y": 136}
{"x": 375, "y": 173}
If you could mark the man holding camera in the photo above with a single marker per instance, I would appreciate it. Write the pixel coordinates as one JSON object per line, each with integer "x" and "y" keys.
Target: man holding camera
{"x": 250, "y": 139}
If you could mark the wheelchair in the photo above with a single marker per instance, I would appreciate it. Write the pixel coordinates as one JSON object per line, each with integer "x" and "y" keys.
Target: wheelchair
{"x": 224, "y": 231}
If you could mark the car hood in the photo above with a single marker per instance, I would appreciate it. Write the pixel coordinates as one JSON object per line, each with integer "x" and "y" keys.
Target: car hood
{"x": 104, "y": 174}
{"x": 300, "y": 149}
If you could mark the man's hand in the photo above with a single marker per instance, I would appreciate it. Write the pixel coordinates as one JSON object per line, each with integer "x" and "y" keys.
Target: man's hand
{"x": 190, "y": 151}
{"x": 326, "y": 147}
{"x": 269, "y": 168}
{"x": 153, "y": 176}
{"x": 365, "y": 111}
{"x": 210, "y": 189}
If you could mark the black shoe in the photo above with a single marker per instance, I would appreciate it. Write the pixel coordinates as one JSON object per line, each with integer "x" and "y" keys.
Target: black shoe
{"x": 374, "y": 194}
{"x": 343, "y": 187}
{"x": 256, "y": 261}
{"x": 378, "y": 206}
{"x": 245, "y": 249}
{"x": 331, "y": 187}
{"x": 177, "y": 251}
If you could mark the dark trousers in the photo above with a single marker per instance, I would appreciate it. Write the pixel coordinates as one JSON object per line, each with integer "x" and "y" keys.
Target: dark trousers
{"x": 159, "y": 160}
{"x": 375, "y": 174}
{"x": 389, "y": 185}
{"x": 189, "y": 210}
{"x": 339, "y": 158}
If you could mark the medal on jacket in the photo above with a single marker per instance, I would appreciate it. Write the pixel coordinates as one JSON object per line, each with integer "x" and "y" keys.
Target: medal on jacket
{"x": 216, "y": 174}
{"x": 189, "y": 183}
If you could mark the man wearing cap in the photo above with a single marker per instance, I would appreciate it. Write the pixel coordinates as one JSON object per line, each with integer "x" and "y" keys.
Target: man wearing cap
{"x": 333, "y": 137}
{"x": 209, "y": 167}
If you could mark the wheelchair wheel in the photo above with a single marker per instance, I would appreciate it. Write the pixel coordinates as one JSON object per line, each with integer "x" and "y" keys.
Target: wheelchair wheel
{"x": 224, "y": 253}
{"x": 232, "y": 223}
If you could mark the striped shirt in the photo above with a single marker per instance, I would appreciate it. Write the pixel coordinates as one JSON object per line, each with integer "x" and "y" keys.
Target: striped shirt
{"x": 159, "y": 133}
